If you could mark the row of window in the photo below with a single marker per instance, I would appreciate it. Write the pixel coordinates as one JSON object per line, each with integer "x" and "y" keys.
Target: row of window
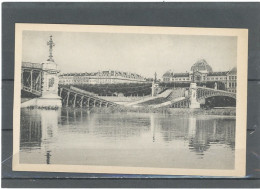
{"x": 208, "y": 79}
{"x": 232, "y": 77}
{"x": 181, "y": 79}
{"x": 67, "y": 81}
{"x": 124, "y": 76}
{"x": 232, "y": 84}
{"x": 166, "y": 79}
{"x": 216, "y": 78}
{"x": 176, "y": 79}
{"x": 189, "y": 79}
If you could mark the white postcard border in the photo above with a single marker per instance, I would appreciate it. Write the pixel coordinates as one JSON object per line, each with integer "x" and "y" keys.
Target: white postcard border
{"x": 241, "y": 108}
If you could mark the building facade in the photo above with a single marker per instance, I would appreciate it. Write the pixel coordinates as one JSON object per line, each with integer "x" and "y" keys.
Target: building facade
{"x": 101, "y": 77}
{"x": 232, "y": 80}
{"x": 201, "y": 71}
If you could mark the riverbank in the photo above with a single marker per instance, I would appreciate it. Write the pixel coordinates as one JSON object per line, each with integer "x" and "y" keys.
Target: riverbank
{"x": 173, "y": 111}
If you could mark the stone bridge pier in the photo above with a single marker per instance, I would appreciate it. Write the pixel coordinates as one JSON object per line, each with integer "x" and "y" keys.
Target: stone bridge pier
{"x": 193, "y": 97}
{"x": 50, "y": 82}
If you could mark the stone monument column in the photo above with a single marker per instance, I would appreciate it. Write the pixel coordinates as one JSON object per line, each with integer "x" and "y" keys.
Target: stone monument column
{"x": 154, "y": 85}
{"x": 50, "y": 81}
{"x": 215, "y": 85}
{"x": 50, "y": 78}
{"x": 153, "y": 88}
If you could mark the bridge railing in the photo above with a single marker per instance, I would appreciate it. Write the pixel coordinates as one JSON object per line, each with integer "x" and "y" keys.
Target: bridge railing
{"x": 203, "y": 92}
{"x": 181, "y": 102}
{"x": 90, "y": 95}
{"x": 217, "y": 90}
{"x": 33, "y": 91}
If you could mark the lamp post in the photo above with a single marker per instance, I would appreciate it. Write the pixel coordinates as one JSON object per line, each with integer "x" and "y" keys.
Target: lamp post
{"x": 193, "y": 76}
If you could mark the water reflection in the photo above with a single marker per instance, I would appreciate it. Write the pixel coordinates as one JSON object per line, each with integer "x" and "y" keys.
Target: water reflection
{"x": 79, "y": 137}
{"x": 207, "y": 132}
{"x": 48, "y": 157}
{"x": 31, "y": 131}
{"x": 38, "y": 129}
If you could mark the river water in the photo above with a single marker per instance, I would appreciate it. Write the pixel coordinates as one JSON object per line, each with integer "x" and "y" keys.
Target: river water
{"x": 126, "y": 139}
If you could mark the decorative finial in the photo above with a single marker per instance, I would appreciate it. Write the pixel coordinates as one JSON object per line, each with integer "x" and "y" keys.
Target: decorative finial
{"x": 51, "y": 44}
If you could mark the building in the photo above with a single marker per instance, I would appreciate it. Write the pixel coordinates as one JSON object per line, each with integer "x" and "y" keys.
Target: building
{"x": 101, "y": 77}
{"x": 201, "y": 71}
{"x": 232, "y": 80}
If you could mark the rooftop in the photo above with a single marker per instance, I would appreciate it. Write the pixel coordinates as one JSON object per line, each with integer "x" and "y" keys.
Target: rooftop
{"x": 181, "y": 75}
{"x": 201, "y": 65}
{"x": 168, "y": 74}
{"x": 105, "y": 73}
{"x": 233, "y": 71}
{"x": 217, "y": 73}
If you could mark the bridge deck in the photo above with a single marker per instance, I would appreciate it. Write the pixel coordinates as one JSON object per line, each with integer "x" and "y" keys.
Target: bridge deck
{"x": 203, "y": 92}
{"x": 83, "y": 93}
{"x": 169, "y": 103}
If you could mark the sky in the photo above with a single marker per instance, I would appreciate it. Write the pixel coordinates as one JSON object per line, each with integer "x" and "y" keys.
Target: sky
{"x": 143, "y": 54}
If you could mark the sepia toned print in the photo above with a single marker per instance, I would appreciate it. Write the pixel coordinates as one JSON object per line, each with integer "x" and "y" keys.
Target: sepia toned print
{"x": 133, "y": 100}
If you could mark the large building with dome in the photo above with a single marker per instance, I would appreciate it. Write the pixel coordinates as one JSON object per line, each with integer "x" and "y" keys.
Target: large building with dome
{"x": 201, "y": 71}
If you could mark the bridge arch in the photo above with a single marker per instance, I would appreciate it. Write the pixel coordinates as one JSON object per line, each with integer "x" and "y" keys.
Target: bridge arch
{"x": 74, "y": 97}
{"x": 216, "y": 95}
{"x": 203, "y": 93}
{"x": 218, "y": 101}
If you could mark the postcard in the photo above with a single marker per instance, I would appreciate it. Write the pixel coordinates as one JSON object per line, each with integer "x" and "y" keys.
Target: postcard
{"x": 130, "y": 99}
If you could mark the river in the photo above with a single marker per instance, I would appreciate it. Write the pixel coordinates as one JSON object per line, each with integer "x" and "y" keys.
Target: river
{"x": 126, "y": 139}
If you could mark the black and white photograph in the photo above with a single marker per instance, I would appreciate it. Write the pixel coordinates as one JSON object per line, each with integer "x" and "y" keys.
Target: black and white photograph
{"x": 130, "y": 100}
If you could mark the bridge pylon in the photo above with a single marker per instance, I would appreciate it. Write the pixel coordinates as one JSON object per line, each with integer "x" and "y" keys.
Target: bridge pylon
{"x": 50, "y": 84}
{"x": 193, "y": 97}
{"x": 47, "y": 82}
{"x": 154, "y": 89}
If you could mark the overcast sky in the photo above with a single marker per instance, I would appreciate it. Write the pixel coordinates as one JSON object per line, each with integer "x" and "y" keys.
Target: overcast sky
{"x": 138, "y": 53}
